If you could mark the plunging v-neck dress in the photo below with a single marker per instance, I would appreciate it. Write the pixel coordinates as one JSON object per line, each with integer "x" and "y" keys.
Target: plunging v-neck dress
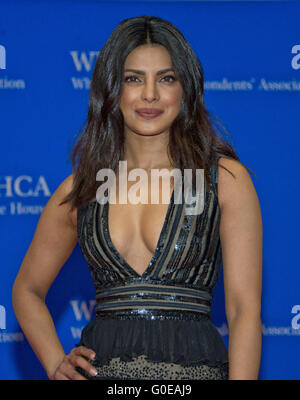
{"x": 156, "y": 325}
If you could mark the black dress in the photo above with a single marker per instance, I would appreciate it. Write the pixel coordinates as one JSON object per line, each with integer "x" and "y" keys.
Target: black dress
{"x": 156, "y": 325}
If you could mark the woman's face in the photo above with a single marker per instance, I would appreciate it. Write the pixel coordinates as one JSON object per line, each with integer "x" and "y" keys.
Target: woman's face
{"x": 150, "y": 87}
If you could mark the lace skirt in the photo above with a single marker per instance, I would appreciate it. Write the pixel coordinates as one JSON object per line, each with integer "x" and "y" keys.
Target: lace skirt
{"x": 142, "y": 369}
{"x": 170, "y": 348}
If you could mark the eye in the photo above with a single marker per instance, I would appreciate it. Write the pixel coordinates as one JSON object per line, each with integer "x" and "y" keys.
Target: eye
{"x": 130, "y": 78}
{"x": 170, "y": 76}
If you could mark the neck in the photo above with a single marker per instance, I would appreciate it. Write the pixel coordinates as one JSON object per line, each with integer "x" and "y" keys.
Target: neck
{"x": 147, "y": 152}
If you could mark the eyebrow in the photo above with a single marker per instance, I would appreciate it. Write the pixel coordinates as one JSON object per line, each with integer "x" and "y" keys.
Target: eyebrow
{"x": 137, "y": 71}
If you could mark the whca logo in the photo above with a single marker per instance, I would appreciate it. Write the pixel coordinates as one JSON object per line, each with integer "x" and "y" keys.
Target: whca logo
{"x": 2, "y": 317}
{"x": 2, "y": 57}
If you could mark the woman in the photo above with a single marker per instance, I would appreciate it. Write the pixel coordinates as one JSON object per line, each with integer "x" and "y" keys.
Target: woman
{"x": 154, "y": 266}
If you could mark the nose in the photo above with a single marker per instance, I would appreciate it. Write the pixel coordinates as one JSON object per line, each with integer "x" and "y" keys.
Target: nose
{"x": 150, "y": 92}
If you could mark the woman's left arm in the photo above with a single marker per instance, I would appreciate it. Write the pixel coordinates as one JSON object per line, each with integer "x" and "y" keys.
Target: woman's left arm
{"x": 241, "y": 240}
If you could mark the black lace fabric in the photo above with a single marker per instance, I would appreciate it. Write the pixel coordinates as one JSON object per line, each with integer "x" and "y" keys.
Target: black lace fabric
{"x": 179, "y": 347}
{"x": 142, "y": 369}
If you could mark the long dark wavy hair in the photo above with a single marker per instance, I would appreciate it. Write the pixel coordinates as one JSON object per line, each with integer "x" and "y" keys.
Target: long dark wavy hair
{"x": 194, "y": 140}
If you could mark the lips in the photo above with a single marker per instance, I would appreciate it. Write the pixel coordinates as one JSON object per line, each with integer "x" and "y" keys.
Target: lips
{"x": 150, "y": 112}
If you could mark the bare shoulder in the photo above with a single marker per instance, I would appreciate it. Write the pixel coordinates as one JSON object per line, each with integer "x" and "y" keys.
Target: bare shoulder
{"x": 67, "y": 185}
{"x": 236, "y": 186}
{"x": 62, "y": 212}
{"x": 64, "y": 189}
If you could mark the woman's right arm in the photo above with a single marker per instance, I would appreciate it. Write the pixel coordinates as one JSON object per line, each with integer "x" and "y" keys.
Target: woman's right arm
{"x": 53, "y": 242}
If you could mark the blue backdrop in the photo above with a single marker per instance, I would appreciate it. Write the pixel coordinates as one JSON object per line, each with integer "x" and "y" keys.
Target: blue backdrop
{"x": 250, "y": 52}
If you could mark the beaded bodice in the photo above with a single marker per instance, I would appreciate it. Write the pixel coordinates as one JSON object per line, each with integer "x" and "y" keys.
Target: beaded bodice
{"x": 184, "y": 268}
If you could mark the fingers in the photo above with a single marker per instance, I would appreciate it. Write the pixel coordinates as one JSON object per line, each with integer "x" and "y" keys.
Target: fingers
{"x": 79, "y": 361}
{"x": 78, "y": 358}
{"x": 84, "y": 351}
{"x": 67, "y": 371}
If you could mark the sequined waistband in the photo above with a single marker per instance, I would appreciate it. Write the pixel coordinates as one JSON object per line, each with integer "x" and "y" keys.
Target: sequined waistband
{"x": 145, "y": 297}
